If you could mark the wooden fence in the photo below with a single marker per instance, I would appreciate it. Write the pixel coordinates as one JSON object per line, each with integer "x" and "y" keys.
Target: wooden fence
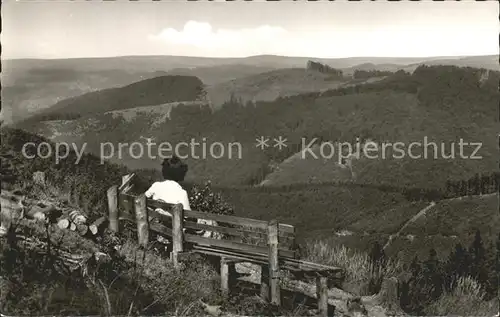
{"x": 267, "y": 243}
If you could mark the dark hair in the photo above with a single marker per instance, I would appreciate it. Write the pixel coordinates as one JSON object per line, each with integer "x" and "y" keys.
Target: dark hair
{"x": 174, "y": 169}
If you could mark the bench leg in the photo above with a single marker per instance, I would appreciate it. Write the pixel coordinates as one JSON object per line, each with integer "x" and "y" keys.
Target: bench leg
{"x": 226, "y": 270}
{"x": 264, "y": 282}
{"x": 322, "y": 295}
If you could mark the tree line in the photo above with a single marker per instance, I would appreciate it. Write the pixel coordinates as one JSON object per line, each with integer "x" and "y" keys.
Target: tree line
{"x": 325, "y": 69}
{"x": 365, "y": 74}
{"x": 478, "y": 185}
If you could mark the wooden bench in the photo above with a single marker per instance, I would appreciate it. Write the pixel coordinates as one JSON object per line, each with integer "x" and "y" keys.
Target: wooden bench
{"x": 270, "y": 244}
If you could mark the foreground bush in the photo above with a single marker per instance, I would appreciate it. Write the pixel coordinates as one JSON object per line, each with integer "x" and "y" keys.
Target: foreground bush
{"x": 429, "y": 287}
{"x": 35, "y": 280}
{"x": 467, "y": 298}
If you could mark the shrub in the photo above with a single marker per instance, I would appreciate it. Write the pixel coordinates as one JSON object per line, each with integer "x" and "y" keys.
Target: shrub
{"x": 465, "y": 299}
{"x": 89, "y": 179}
{"x": 204, "y": 199}
{"x": 177, "y": 292}
{"x": 360, "y": 270}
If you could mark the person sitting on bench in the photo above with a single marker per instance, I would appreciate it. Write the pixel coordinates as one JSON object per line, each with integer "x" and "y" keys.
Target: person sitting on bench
{"x": 171, "y": 192}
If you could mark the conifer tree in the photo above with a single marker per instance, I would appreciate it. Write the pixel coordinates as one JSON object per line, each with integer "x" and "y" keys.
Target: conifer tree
{"x": 458, "y": 261}
{"x": 378, "y": 259}
{"x": 489, "y": 274}
{"x": 477, "y": 253}
{"x": 432, "y": 273}
{"x": 477, "y": 185}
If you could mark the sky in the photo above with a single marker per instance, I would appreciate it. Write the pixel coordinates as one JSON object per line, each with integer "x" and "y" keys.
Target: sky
{"x": 63, "y": 29}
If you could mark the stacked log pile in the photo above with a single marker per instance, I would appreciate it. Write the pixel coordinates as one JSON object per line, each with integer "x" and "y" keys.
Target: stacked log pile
{"x": 76, "y": 221}
{"x": 15, "y": 207}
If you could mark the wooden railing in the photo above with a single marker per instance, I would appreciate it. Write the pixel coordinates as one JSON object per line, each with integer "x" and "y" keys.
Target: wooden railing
{"x": 267, "y": 243}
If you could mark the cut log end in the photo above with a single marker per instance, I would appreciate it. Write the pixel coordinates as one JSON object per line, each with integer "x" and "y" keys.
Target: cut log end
{"x": 98, "y": 225}
{"x": 82, "y": 229}
{"x": 72, "y": 226}
{"x": 77, "y": 217}
{"x": 93, "y": 229}
{"x": 63, "y": 223}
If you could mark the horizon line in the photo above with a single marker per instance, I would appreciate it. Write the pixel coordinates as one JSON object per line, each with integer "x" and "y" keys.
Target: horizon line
{"x": 250, "y": 56}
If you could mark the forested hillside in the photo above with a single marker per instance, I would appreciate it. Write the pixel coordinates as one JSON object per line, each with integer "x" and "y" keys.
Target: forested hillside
{"x": 438, "y": 103}
{"x": 370, "y": 213}
{"x": 153, "y": 91}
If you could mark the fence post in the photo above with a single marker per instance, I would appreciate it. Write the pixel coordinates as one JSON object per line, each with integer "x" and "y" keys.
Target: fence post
{"x": 274, "y": 270}
{"x": 322, "y": 295}
{"x": 141, "y": 217}
{"x": 113, "y": 208}
{"x": 177, "y": 233}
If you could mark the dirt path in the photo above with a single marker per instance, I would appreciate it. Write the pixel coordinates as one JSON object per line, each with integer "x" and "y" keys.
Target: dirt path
{"x": 410, "y": 221}
{"x": 425, "y": 210}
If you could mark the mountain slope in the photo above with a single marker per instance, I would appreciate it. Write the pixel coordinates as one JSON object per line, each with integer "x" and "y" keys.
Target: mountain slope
{"x": 271, "y": 85}
{"x": 154, "y": 91}
{"x": 26, "y": 92}
{"x": 449, "y": 222}
{"x": 211, "y": 75}
{"x": 51, "y": 81}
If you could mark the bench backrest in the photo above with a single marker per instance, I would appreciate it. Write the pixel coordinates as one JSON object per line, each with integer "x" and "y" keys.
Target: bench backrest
{"x": 244, "y": 235}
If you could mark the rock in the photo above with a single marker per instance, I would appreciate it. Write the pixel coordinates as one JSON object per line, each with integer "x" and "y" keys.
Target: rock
{"x": 36, "y": 212}
{"x": 39, "y": 216}
{"x": 39, "y": 178}
{"x": 42, "y": 212}
{"x": 355, "y": 307}
{"x": 387, "y": 298}
{"x": 7, "y": 169}
{"x": 12, "y": 209}
{"x": 101, "y": 257}
{"x": 212, "y": 310}
{"x": 6, "y": 287}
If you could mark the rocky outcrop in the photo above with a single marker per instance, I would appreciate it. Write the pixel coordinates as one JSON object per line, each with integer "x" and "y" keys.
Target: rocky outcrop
{"x": 7, "y": 169}
{"x": 386, "y": 300}
{"x": 12, "y": 210}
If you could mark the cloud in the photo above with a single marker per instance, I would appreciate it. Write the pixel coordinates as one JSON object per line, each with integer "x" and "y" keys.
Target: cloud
{"x": 240, "y": 41}
{"x": 201, "y": 39}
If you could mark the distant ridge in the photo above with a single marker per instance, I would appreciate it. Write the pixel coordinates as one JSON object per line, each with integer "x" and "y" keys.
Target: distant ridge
{"x": 256, "y": 57}
{"x": 167, "y": 62}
